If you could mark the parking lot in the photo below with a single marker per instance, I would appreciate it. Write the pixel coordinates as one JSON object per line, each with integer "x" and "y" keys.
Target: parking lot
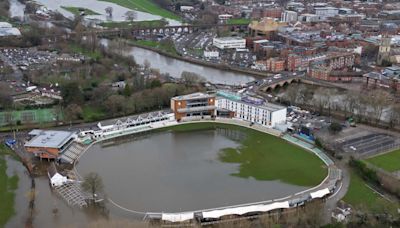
{"x": 24, "y": 58}
{"x": 367, "y": 144}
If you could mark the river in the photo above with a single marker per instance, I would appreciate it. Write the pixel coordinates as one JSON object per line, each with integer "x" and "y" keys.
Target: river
{"x": 175, "y": 67}
{"x": 16, "y": 9}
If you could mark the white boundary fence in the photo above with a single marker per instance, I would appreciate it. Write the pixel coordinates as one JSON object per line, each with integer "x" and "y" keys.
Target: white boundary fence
{"x": 326, "y": 187}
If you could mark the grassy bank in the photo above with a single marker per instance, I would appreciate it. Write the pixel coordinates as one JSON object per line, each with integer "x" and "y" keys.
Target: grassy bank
{"x": 134, "y": 24}
{"x": 77, "y": 10}
{"x": 164, "y": 46}
{"x": 7, "y": 188}
{"x": 241, "y": 21}
{"x": 361, "y": 196}
{"x": 145, "y": 6}
{"x": 265, "y": 157}
{"x": 389, "y": 161}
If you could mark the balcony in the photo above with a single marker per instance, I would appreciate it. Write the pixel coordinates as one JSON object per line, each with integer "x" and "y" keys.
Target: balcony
{"x": 196, "y": 109}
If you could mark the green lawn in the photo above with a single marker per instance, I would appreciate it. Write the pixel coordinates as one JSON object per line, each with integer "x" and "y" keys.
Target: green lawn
{"x": 77, "y": 10}
{"x": 92, "y": 113}
{"x": 389, "y": 161}
{"x": 168, "y": 47}
{"x": 145, "y": 6}
{"x": 7, "y": 188}
{"x": 265, "y": 157}
{"x": 128, "y": 24}
{"x": 242, "y": 21}
{"x": 96, "y": 55}
{"x": 362, "y": 197}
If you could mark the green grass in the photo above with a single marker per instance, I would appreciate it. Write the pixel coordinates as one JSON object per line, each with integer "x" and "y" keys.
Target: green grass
{"x": 362, "y": 197}
{"x": 92, "y": 114}
{"x": 129, "y": 24}
{"x": 166, "y": 47}
{"x": 7, "y": 188}
{"x": 146, "y": 6}
{"x": 96, "y": 55}
{"x": 30, "y": 116}
{"x": 265, "y": 157}
{"x": 389, "y": 161}
{"x": 78, "y": 10}
{"x": 241, "y": 21}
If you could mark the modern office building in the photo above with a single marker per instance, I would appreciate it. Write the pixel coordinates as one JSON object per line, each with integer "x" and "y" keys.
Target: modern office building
{"x": 229, "y": 42}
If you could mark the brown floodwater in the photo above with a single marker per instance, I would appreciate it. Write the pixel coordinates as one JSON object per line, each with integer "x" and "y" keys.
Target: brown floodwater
{"x": 175, "y": 171}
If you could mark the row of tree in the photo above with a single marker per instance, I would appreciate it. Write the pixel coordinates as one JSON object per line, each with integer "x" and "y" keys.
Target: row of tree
{"x": 369, "y": 105}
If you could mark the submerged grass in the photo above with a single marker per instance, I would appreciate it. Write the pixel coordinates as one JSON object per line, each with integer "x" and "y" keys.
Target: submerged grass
{"x": 7, "y": 187}
{"x": 265, "y": 157}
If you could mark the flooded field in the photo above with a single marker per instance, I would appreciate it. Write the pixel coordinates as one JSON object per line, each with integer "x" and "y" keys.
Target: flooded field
{"x": 176, "y": 171}
{"x": 99, "y": 7}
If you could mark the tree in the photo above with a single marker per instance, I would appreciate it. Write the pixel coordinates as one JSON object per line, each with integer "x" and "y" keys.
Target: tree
{"x": 115, "y": 104}
{"x": 127, "y": 90}
{"x": 155, "y": 83}
{"x": 71, "y": 93}
{"x": 394, "y": 115}
{"x": 335, "y": 127}
{"x": 92, "y": 183}
{"x": 109, "y": 11}
{"x": 147, "y": 64}
{"x": 378, "y": 101}
{"x": 130, "y": 15}
{"x": 190, "y": 78}
{"x": 73, "y": 112}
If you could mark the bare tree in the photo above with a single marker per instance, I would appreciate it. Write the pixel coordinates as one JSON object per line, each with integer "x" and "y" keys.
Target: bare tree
{"x": 130, "y": 15}
{"x": 378, "y": 101}
{"x": 92, "y": 183}
{"x": 190, "y": 78}
{"x": 109, "y": 11}
{"x": 394, "y": 115}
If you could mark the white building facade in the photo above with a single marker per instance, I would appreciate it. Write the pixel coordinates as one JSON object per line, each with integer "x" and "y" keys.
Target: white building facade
{"x": 289, "y": 16}
{"x": 229, "y": 42}
{"x": 267, "y": 114}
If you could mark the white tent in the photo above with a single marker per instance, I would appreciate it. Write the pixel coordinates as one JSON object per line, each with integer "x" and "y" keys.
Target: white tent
{"x": 320, "y": 193}
{"x": 177, "y": 217}
{"x": 245, "y": 209}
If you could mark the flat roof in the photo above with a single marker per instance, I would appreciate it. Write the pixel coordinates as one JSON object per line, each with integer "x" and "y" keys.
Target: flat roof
{"x": 228, "y": 38}
{"x": 198, "y": 95}
{"x": 49, "y": 138}
{"x": 267, "y": 106}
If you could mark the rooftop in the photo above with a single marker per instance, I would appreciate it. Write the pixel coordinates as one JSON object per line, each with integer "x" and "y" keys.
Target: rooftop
{"x": 49, "y": 138}
{"x": 192, "y": 96}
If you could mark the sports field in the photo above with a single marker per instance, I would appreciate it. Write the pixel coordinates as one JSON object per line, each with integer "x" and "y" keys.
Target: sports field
{"x": 265, "y": 157}
{"x": 389, "y": 161}
{"x": 29, "y": 116}
{"x": 145, "y": 6}
{"x": 361, "y": 196}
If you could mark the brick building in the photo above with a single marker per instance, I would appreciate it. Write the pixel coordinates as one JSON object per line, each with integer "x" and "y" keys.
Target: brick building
{"x": 275, "y": 65}
{"x": 192, "y": 105}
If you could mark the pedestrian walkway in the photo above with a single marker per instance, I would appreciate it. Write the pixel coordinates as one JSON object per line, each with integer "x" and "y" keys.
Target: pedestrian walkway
{"x": 309, "y": 147}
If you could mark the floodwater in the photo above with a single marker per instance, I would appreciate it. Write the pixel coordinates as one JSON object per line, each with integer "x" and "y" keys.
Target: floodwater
{"x": 99, "y": 7}
{"x": 175, "y": 68}
{"x": 16, "y": 9}
{"x": 175, "y": 171}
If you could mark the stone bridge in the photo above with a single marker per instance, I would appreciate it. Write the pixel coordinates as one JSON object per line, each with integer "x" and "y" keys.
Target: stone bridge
{"x": 139, "y": 31}
{"x": 278, "y": 83}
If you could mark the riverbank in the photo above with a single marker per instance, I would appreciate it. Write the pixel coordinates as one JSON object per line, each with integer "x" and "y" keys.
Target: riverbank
{"x": 8, "y": 185}
{"x": 252, "y": 73}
